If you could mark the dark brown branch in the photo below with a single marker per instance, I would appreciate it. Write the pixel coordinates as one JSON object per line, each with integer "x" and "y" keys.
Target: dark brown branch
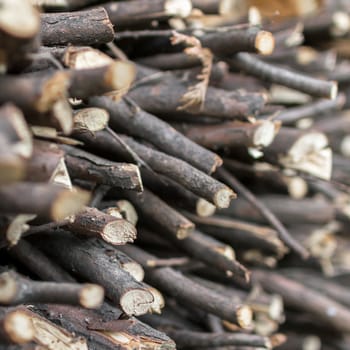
{"x": 271, "y": 73}
{"x": 185, "y": 290}
{"x": 89, "y": 27}
{"x": 16, "y": 289}
{"x": 136, "y": 122}
{"x": 38, "y": 263}
{"x": 92, "y": 222}
{"x": 194, "y": 180}
{"x": 190, "y": 339}
{"x": 15, "y": 326}
{"x": 93, "y": 260}
{"x": 323, "y": 308}
{"x": 139, "y": 13}
{"x": 86, "y": 166}
{"x": 155, "y": 210}
{"x": 49, "y": 202}
{"x": 163, "y": 96}
{"x": 272, "y": 219}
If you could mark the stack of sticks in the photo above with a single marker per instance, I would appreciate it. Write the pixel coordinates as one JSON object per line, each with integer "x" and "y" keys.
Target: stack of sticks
{"x": 184, "y": 168}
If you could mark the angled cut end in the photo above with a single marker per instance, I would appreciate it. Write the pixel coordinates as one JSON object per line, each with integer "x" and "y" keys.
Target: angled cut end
{"x": 121, "y": 75}
{"x": 265, "y": 43}
{"x": 223, "y": 197}
{"x": 128, "y": 211}
{"x": 91, "y": 296}
{"x": 8, "y": 288}
{"x": 340, "y": 24}
{"x": 178, "y": 8}
{"x": 119, "y": 232}
{"x": 135, "y": 270}
{"x": 91, "y": 119}
{"x": 244, "y": 316}
{"x": 18, "y": 327}
{"x": 333, "y": 90}
{"x": 204, "y": 208}
{"x": 136, "y": 302}
{"x": 265, "y": 133}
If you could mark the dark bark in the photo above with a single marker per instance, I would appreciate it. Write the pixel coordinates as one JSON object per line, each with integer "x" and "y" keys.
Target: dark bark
{"x": 86, "y": 166}
{"x": 95, "y": 223}
{"x": 89, "y": 260}
{"x": 127, "y": 117}
{"x": 79, "y": 28}
{"x": 156, "y": 211}
{"x": 48, "y": 202}
{"x": 17, "y": 290}
{"x": 273, "y": 74}
{"x": 185, "y": 290}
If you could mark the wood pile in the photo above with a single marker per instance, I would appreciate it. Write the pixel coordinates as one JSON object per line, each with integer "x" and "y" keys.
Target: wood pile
{"x": 174, "y": 174}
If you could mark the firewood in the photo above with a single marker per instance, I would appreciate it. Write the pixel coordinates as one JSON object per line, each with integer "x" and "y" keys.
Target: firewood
{"x": 15, "y": 326}
{"x": 19, "y": 29}
{"x": 17, "y": 290}
{"x": 89, "y": 27}
{"x": 138, "y": 123}
{"x": 84, "y": 165}
{"x": 89, "y": 259}
{"x": 49, "y": 202}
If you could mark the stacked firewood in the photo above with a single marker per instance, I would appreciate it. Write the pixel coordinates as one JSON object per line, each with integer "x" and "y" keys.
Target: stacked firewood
{"x": 212, "y": 136}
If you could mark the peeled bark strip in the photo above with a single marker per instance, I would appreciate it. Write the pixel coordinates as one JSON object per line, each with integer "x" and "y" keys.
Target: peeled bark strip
{"x": 38, "y": 263}
{"x": 19, "y": 29}
{"x": 16, "y": 144}
{"x": 92, "y": 222}
{"x": 333, "y": 314}
{"x": 194, "y": 180}
{"x": 183, "y": 289}
{"x": 272, "y": 219}
{"x": 163, "y": 97}
{"x": 232, "y": 134}
{"x": 315, "y": 87}
{"x": 230, "y": 41}
{"x": 91, "y": 27}
{"x": 15, "y": 326}
{"x": 89, "y": 259}
{"x": 189, "y": 339}
{"x": 305, "y": 151}
{"x": 153, "y": 209}
{"x": 86, "y": 166}
{"x": 16, "y": 290}
{"x": 49, "y": 335}
{"x": 137, "y": 13}
{"x": 48, "y": 202}
{"x": 113, "y": 77}
{"x": 124, "y": 116}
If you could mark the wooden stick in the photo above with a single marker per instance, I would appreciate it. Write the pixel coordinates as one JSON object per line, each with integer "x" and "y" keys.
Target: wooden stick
{"x": 194, "y": 180}
{"x": 15, "y": 326}
{"x": 38, "y": 263}
{"x": 335, "y": 315}
{"x": 186, "y": 338}
{"x": 89, "y": 27}
{"x": 88, "y": 259}
{"x": 272, "y": 219}
{"x": 185, "y": 290}
{"x": 84, "y": 165}
{"x": 19, "y": 28}
{"x": 49, "y": 202}
{"x": 139, "y": 13}
{"x": 116, "y": 76}
{"x": 93, "y": 222}
{"x": 138, "y": 123}
{"x": 16, "y": 290}
{"x": 271, "y": 73}
{"x": 153, "y": 209}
